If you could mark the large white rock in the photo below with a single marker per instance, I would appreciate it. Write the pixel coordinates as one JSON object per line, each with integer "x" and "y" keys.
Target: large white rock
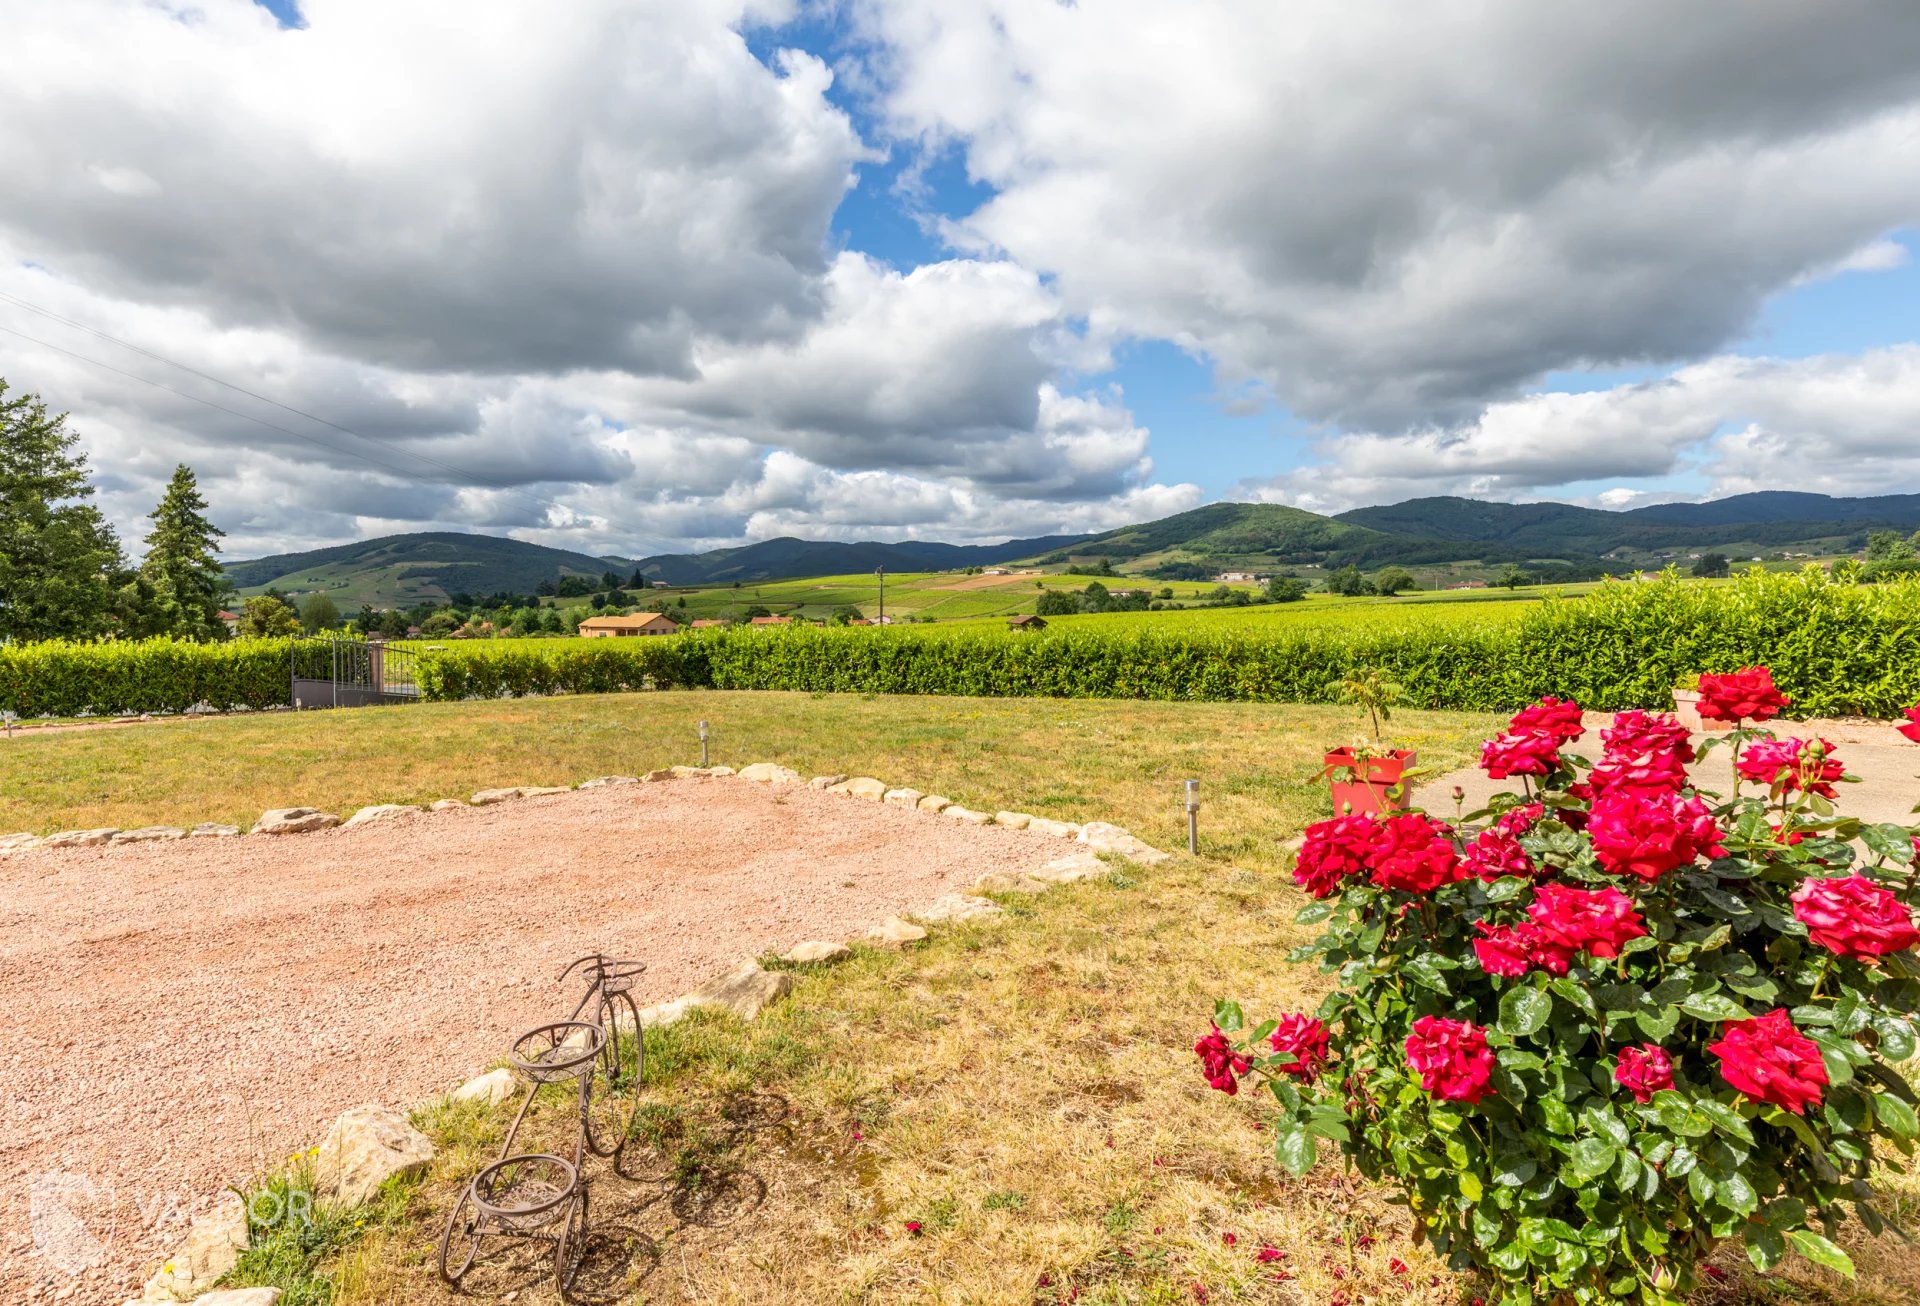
{"x": 492, "y": 1088}
{"x": 966, "y": 814}
{"x": 958, "y": 907}
{"x": 1008, "y": 882}
{"x": 149, "y": 834}
{"x": 541, "y": 791}
{"x": 656, "y": 776}
{"x": 214, "y": 1242}
{"x": 817, "y": 950}
{"x": 379, "y": 812}
{"x": 365, "y": 1147}
{"x": 746, "y": 990}
{"x": 894, "y": 932}
{"x": 609, "y": 781}
{"x": 1104, "y": 837}
{"x": 902, "y": 797}
{"x": 1018, "y": 820}
{"x": 488, "y": 797}
{"x": 448, "y": 804}
{"x": 78, "y": 838}
{"x": 14, "y": 843}
{"x": 294, "y": 820}
{"x": 661, "y": 1013}
{"x": 1058, "y": 829}
{"x": 861, "y": 786}
{"x": 1074, "y": 866}
{"x": 825, "y": 781}
{"x": 933, "y": 803}
{"x": 770, "y": 773}
{"x": 213, "y": 830}
{"x": 240, "y": 1297}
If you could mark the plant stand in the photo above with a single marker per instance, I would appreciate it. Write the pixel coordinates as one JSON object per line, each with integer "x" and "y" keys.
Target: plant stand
{"x": 1369, "y": 785}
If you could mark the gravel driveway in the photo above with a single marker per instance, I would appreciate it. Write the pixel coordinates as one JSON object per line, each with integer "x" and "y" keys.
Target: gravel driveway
{"x": 181, "y": 1015}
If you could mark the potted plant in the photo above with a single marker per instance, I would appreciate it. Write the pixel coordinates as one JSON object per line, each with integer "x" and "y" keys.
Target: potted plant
{"x": 1686, "y": 708}
{"x": 1370, "y": 777}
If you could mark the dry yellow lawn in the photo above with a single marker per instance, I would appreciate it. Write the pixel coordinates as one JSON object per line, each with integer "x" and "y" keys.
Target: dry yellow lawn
{"x": 1021, "y": 1089}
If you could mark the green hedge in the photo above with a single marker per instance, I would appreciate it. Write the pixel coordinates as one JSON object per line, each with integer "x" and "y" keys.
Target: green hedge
{"x": 1838, "y": 649}
{"x": 61, "y": 678}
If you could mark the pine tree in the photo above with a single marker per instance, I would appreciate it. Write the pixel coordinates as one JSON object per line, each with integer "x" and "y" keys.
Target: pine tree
{"x": 183, "y": 563}
{"x": 57, "y": 553}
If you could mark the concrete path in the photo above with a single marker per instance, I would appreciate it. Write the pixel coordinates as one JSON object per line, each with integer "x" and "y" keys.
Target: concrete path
{"x": 1887, "y": 765}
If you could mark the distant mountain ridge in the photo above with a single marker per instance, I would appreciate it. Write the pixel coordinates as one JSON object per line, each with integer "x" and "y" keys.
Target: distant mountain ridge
{"x": 787, "y": 558}
{"x": 398, "y": 570}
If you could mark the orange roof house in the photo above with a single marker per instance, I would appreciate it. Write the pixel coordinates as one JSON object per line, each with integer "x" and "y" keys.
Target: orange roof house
{"x": 644, "y": 623}
{"x": 771, "y": 621}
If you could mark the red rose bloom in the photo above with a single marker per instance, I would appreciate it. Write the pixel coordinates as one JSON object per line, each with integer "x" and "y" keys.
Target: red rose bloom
{"x": 1451, "y": 1057}
{"x": 1556, "y": 719}
{"x": 1415, "y": 854}
{"x": 1514, "y": 754}
{"x": 1496, "y": 854}
{"x": 1634, "y": 834}
{"x": 1854, "y": 917}
{"x": 1912, "y": 729}
{"x": 1643, "y": 1071}
{"x": 1220, "y": 1063}
{"x": 1513, "y": 950}
{"x": 1520, "y": 819}
{"x": 1770, "y": 1061}
{"x": 1638, "y": 734}
{"x": 1307, "y": 1039}
{"x": 1744, "y": 695}
{"x": 1656, "y": 775}
{"x": 1594, "y": 921}
{"x": 1333, "y": 851}
{"x": 1787, "y": 762}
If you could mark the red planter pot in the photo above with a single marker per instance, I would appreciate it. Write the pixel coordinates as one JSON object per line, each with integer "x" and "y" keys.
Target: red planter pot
{"x": 1369, "y": 786}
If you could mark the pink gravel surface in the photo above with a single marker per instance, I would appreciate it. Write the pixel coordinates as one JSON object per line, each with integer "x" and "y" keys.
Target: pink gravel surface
{"x": 183, "y": 1015}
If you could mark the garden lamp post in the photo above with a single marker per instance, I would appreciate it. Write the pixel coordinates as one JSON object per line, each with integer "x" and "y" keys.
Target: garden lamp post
{"x": 1193, "y": 817}
{"x": 702, "y": 728}
{"x": 881, "y": 572}
{"x": 10, "y": 719}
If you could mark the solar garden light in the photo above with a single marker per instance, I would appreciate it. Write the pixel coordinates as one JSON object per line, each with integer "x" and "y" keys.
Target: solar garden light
{"x": 702, "y": 728}
{"x": 9, "y": 718}
{"x": 1193, "y": 817}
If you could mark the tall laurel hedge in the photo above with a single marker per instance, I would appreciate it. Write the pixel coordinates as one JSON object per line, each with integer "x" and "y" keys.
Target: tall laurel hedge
{"x": 62, "y": 678}
{"x": 1837, "y": 648}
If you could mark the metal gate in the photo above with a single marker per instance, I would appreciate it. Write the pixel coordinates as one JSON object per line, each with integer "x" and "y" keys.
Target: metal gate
{"x": 331, "y": 672}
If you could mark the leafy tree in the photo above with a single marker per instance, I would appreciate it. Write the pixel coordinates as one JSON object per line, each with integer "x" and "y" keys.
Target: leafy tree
{"x": 1164, "y": 592}
{"x": 1888, "y": 546}
{"x": 439, "y": 625}
{"x": 318, "y": 612}
{"x": 1347, "y": 581}
{"x": 843, "y": 614}
{"x": 267, "y": 616}
{"x": 1056, "y": 603}
{"x": 1391, "y": 580}
{"x": 757, "y": 611}
{"x": 183, "y": 562}
{"x": 638, "y": 582}
{"x": 393, "y": 624}
{"x": 1095, "y": 598}
{"x": 610, "y": 580}
{"x": 1286, "y": 589}
{"x": 1713, "y": 565}
{"x": 56, "y": 552}
{"x": 1513, "y": 577}
{"x": 597, "y": 602}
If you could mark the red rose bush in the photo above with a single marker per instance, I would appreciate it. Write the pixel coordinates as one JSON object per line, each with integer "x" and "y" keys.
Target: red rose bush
{"x": 1616, "y": 1018}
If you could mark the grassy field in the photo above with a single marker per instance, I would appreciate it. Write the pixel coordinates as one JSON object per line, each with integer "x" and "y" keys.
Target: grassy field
{"x": 1008, "y": 1113}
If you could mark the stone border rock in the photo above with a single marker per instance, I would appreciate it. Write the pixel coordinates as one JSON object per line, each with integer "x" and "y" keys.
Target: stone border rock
{"x": 368, "y": 1145}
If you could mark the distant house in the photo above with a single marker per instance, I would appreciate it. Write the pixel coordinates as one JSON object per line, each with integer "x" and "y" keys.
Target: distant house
{"x": 858, "y": 621}
{"x": 993, "y": 571}
{"x": 1128, "y": 594}
{"x": 644, "y": 623}
{"x": 230, "y": 619}
{"x": 1027, "y": 621}
{"x": 1229, "y": 577}
{"x": 660, "y": 585}
{"x": 1468, "y": 585}
{"x": 771, "y": 621}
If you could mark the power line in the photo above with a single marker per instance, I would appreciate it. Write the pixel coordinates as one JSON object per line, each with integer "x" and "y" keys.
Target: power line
{"x": 461, "y": 473}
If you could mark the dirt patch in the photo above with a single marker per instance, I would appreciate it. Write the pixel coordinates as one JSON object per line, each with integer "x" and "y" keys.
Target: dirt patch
{"x": 184, "y": 1013}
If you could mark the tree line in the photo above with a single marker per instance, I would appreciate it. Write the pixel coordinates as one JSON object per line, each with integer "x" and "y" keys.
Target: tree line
{"x": 63, "y": 572}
